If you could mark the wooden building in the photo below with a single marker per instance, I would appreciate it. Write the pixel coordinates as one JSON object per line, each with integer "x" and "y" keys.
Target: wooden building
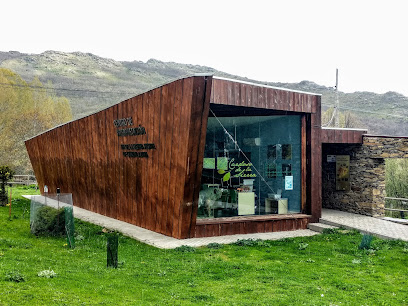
{"x": 200, "y": 156}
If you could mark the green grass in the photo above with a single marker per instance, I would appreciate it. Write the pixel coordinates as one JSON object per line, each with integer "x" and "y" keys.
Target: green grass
{"x": 327, "y": 269}
{"x": 19, "y": 191}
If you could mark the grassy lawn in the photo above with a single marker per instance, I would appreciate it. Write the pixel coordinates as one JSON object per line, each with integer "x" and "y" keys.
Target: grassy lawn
{"x": 326, "y": 269}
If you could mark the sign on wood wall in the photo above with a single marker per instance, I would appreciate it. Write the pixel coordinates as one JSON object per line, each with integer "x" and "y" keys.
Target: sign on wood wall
{"x": 342, "y": 172}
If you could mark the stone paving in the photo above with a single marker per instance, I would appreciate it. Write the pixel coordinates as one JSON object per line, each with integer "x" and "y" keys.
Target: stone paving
{"x": 365, "y": 224}
{"x": 374, "y": 226}
{"x": 166, "y": 242}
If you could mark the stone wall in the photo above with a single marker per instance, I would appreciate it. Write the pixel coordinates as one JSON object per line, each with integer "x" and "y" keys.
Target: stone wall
{"x": 367, "y": 174}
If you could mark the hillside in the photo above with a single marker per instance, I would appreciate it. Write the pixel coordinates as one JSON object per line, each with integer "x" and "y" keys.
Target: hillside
{"x": 93, "y": 83}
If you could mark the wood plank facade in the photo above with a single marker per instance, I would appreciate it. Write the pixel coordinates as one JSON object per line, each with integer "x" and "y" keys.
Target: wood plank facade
{"x": 140, "y": 161}
{"x": 341, "y": 135}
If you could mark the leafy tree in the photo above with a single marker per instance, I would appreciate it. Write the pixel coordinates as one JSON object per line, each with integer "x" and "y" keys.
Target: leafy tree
{"x": 26, "y": 109}
{"x": 6, "y": 174}
{"x": 396, "y": 177}
{"x": 396, "y": 185}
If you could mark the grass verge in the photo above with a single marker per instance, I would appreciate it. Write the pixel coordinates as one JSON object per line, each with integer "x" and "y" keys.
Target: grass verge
{"x": 327, "y": 269}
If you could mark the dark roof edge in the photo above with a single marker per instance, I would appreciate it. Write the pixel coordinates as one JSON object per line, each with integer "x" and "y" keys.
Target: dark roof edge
{"x": 344, "y": 129}
{"x": 384, "y": 136}
{"x": 266, "y": 86}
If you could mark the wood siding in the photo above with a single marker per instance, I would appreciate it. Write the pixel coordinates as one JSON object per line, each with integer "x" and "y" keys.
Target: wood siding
{"x": 251, "y": 95}
{"x": 350, "y": 136}
{"x": 85, "y": 158}
{"x": 246, "y": 225}
{"x": 315, "y": 162}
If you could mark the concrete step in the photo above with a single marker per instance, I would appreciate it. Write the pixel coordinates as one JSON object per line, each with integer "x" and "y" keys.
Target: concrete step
{"x": 319, "y": 227}
{"x": 395, "y": 220}
{"x": 333, "y": 223}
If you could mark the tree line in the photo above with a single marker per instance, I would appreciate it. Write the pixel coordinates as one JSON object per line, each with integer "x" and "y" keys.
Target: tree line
{"x": 396, "y": 177}
{"x": 26, "y": 110}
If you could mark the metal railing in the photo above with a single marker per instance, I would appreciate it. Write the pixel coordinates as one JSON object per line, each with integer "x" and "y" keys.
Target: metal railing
{"x": 396, "y": 205}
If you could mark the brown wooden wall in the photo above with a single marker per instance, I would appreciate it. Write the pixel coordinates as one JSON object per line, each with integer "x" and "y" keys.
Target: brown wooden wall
{"x": 252, "y": 224}
{"x": 332, "y": 135}
{"x": 85, "y": 158}
{"x": 314, "y": 147}
{"x": 251, "y": 95}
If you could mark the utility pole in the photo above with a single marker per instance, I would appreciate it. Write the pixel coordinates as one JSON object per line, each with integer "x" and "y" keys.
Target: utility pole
{"x": 336, "y": 107}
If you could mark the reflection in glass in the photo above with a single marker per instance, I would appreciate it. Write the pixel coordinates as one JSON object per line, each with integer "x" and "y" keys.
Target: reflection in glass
{"x": 272, "y": 152}
{"x": 286, "y": 169}
{"x": 222, "y": 163}
{"x": 209, "y": 163}
{"x": 287, "y": 151}
{"x": 271, "y": 170}
{"x": 245, "y": 165}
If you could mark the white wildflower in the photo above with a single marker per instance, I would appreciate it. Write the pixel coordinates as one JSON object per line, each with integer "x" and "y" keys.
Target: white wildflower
{"x": 47, "y": 273}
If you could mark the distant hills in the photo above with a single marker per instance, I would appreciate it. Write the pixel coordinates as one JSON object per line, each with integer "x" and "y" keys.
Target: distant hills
{"x": 92, "y": 83}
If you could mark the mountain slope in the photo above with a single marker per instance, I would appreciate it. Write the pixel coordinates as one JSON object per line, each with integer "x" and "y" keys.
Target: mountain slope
{"x": 93, "y": 83}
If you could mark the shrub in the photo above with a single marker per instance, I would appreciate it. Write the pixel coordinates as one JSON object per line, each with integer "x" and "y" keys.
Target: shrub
{"x": 185, "y": 249}
{"x": 303, "y": 245}
{"x": 214, "y": 245}
{"x": 49, "y": 221}
{"x": 6, "y": 174}
{"x": 248, "y": 242}
{"x": 329, "y": 231}
{"x": 14, "y": 276}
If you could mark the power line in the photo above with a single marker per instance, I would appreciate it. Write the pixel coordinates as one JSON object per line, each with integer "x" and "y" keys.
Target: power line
{"x": 370, "y": 112}
{"x": 135, "y": 93}
{"x": 65, "y": 89}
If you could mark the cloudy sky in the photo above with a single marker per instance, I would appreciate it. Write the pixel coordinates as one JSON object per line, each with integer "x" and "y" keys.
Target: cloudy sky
{"x": 277, "y": 41}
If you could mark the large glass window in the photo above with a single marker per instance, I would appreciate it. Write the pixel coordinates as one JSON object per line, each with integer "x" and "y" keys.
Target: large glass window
{"x": 252, "y": 166}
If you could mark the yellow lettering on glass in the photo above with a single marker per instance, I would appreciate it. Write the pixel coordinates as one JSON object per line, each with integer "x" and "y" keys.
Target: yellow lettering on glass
{"x": 240, "y": 169}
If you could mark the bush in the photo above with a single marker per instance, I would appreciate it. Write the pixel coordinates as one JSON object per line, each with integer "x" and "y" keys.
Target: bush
{"x": 14, "y": 276}
{"x": 6, "y": 174}
{"x": 329, "y": 231}
{"x": 185, "y": 249}
{"x": 49, "y": 221}
{"x": 303, "y": 245}
{"x": 214, "y": 245}
{"x": 249, "y": 242}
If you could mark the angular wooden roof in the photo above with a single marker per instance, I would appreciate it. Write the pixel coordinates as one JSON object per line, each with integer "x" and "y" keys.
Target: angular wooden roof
{"x": 239, "y": 93}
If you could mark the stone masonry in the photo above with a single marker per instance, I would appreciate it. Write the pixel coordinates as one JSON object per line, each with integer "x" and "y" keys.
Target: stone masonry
{"x": 367, "y": 174}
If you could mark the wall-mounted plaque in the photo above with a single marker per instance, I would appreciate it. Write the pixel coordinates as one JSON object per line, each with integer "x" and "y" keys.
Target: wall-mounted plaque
{"x": 343, "y": 172}
{"x": 289, "y": 182}
{"x": 331, "y": 158}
